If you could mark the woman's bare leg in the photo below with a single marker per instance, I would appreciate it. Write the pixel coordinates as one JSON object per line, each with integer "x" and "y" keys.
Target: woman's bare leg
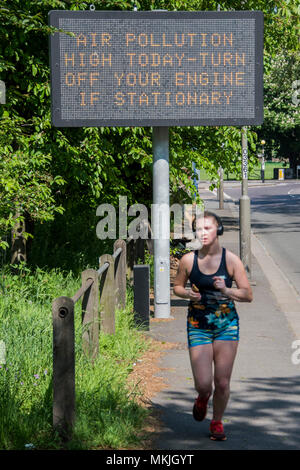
{"x": 224, "y": 353}
{"x": 201, "y": 362}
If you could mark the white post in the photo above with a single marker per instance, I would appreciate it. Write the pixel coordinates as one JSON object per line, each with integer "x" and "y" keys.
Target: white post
{"x": 161, "y": 222}
{"x": 245, "y": 221}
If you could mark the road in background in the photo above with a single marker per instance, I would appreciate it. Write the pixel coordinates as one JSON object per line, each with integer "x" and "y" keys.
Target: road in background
{"x": 275, "y": 220}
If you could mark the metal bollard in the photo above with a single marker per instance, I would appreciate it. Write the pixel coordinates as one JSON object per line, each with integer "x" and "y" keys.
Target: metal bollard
{"x": 141, "y": 279}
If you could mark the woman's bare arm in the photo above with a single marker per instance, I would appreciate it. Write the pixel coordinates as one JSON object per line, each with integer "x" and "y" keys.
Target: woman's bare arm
{"x": 181, "y": 280}
{"x": 243, "y": 292}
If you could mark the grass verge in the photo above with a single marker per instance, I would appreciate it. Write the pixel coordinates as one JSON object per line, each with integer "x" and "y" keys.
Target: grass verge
{"x": 108, "y": 414}
{"x": 254, "y": 174}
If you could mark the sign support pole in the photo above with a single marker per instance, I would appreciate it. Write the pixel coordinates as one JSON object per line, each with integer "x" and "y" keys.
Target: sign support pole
{"x": 245, "y": 220}
{"x": 161, "y": 222}
{"x": 221, "y": 188}
{"x": 263, "y": 161}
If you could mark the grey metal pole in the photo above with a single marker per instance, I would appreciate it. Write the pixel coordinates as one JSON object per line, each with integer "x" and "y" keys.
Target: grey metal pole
{"x": 263, "y": 161}
{"x": 221, "y": 188}
{"x": 161, "y": 222}
{"x": 245, "y": 221}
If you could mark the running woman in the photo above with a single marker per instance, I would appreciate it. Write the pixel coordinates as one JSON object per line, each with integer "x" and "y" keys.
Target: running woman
{"x": 212, "y": 321}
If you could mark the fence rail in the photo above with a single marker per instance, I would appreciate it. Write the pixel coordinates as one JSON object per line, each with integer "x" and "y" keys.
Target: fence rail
{"x": 82, "y": 290}
{"x": 103, "y": 291}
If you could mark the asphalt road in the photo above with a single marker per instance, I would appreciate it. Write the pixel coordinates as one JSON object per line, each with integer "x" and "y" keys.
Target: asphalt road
{"x": 275, "y": 220}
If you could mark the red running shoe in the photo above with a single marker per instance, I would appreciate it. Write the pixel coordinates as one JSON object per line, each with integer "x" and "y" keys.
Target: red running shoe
{"x": 217, "y": 431}
{"x": 200, "y": 408}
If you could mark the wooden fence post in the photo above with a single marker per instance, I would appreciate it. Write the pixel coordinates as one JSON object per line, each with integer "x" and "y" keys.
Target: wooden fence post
{"x": 18, "y": 242}
{"x": 63, "y": 366}
{"x": 90, "y": 315}
{"x": 107, "y": 296}
{"x": 130, "y": 259}
{"x": 120, "y": 273}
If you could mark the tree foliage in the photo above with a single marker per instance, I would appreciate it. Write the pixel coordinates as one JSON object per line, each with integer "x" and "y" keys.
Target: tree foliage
{"x": 46, "y": 171}
{"x": 281, "y": 128}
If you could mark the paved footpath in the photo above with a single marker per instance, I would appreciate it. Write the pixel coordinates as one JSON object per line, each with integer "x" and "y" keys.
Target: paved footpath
{"x": 264, "y": 408}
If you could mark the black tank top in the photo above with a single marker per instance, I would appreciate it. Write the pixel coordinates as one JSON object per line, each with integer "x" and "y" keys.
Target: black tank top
{"x": 205, "y": 281}
{"x": 215, "y": 309}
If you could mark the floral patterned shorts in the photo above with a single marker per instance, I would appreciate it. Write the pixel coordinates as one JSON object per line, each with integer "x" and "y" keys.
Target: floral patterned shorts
{"x": 198, "y": 336}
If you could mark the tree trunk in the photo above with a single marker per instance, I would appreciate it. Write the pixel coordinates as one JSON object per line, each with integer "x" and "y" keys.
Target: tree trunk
{"x": 18, "y": 242}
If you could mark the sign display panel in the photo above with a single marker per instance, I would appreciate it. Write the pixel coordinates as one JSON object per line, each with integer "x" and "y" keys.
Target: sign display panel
{"x": 120, "y": 68}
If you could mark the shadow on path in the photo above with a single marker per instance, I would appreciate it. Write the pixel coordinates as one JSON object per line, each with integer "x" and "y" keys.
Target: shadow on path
{"x": 262, "y": 415}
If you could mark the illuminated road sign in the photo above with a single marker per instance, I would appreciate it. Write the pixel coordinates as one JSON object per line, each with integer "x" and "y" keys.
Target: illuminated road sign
{"x": 126, "y": 68}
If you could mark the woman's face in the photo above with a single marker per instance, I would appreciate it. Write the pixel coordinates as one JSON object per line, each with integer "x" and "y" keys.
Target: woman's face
{"x": 206, "y": 230}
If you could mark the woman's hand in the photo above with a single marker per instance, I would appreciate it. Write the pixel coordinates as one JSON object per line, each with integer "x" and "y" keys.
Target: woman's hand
{"x": 194, "y": 296}
{"x": 193, "y": 291}
{"x": 219, "y": 283}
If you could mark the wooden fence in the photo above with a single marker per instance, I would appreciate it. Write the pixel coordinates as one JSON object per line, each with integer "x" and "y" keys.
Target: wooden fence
{"x": 103, "y": 291}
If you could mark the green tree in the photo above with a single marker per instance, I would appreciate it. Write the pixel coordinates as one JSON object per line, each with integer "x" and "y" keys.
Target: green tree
{"x": 49, "y": 170}
{"x": 281, "y": 127}
{"x": 64, "y": 174}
